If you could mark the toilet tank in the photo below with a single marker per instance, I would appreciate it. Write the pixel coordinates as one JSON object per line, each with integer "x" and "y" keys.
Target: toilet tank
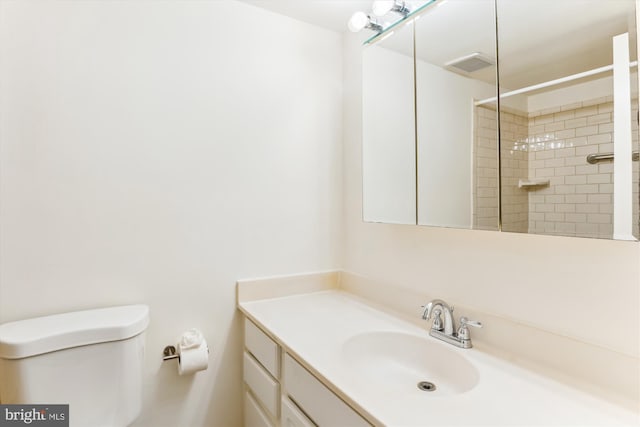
{"x": 91, "y": 360}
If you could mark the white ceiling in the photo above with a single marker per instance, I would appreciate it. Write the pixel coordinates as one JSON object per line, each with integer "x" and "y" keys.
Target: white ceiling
{"x": 540, "y": 40}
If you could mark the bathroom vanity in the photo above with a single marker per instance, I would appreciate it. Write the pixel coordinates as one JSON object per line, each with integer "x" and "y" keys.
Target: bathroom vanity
{"x": 330, "y": 358}
{"x": 280, "y": 391}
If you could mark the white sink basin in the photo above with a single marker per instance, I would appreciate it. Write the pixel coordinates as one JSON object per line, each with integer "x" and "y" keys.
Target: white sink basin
{"x": 397, "y": 362}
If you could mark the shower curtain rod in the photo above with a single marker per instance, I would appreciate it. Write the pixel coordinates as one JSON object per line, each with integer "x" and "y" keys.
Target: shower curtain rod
{"x": 553, "y": 82}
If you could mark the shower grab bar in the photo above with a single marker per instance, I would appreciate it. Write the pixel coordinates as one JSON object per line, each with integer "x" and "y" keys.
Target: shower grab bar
{"x": 597, "y": 158}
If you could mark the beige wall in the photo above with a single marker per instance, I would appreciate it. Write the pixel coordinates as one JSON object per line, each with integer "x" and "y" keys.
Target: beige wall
{"x": 585, "y": 289}
{"x": 156, "y": 152}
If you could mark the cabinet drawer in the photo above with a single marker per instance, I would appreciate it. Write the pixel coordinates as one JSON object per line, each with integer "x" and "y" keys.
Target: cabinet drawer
{"x": 265, "y": 388}
{"x": 263, "y": 348}
{"x": 292, "y": 416}
{"x": 253, "y": 415}
{"x": 321, "y": 404}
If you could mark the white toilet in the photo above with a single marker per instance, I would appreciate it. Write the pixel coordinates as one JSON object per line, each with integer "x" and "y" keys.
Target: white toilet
{"x": 91, "y": 360}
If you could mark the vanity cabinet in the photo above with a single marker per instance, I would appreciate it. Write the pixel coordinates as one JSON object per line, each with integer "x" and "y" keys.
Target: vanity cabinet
{"x": 280, "y": 392}
{"x": 320, "y": 403}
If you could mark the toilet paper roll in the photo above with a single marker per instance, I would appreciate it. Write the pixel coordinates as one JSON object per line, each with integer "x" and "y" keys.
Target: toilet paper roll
{"x": 193, "y": 359}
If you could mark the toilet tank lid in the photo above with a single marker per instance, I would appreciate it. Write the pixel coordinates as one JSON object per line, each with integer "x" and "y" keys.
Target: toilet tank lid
{"x": 40, "y": 335}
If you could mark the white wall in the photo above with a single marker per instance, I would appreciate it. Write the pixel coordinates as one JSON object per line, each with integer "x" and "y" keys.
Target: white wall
{"x": 156, "y": 152}
{"x": 585, "y": 289}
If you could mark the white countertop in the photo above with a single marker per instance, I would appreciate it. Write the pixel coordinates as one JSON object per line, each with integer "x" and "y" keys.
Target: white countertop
{"x": 315, "y": 326}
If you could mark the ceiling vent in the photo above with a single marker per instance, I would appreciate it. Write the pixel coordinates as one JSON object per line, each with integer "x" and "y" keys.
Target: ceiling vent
{"x": 470, "y": 63}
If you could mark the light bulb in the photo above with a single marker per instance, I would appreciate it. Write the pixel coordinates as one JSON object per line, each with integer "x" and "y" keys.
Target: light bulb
{"x": 382, "y": 7}
{"x": 358, "y": 21}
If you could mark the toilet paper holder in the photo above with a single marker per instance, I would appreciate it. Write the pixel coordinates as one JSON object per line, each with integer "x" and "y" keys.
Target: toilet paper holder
{"x": 169, "y": 353}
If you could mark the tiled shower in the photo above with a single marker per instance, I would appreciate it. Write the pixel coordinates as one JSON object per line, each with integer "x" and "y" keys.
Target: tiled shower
{"x": 549, "y": 147}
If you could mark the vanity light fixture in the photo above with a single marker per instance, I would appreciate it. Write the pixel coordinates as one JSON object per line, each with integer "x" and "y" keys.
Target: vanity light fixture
{"x": 408, "y": 13}
{"x": 360, "y": 20}
{"x": 382, "y": 7}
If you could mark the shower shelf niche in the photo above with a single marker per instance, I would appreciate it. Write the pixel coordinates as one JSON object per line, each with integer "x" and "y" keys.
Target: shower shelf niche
{"x": 533, "y": 184}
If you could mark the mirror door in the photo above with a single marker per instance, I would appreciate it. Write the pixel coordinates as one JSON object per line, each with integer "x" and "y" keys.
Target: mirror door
{"x": 388, "y": 129}
{"x": 457, "y": 137}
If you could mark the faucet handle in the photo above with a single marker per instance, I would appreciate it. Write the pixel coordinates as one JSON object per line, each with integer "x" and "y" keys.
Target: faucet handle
{"x": 466, "y": 322}
{"x": 437, "y": 320}
{"x": 463, "y": 331}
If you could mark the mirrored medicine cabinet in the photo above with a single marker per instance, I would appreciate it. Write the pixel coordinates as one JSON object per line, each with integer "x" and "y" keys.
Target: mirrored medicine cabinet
{"x": 511, "y": 127}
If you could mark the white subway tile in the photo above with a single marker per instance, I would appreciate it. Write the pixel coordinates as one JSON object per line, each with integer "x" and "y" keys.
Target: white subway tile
{"x": 576, "y": 123}
{"x": 555, "y": 126}
{"x": 603, "y": 178}
{"x": 587, "y": 130}
{"x": 587, "y": 208}
{"x": 487, "y": 153}
{"x": 544, "y": 172}
{"x": 600, "y": 138}
{"x": 554, "y": 198}
{"x": 564, "y": 115}
{"x": 487, "y": 192}
{"x": 598, "y": 218}
{"x": 565, "y": 152}
{"x": 586, "y": 169}
{"x": 545, "y": 207}
{"x": 587, "y": 230}
{"x": 536, "y": 216}
{"x": 567, "y": 170}
{"x": 576, "y": 198}
{"x": 485, "y": 202}
{"x": 566, "y": 207}
{"x": 537, "y": 198}
{"x": 575, "y": 161}
{"x": 576, "y": 142}
{"x": 555, "y": 180}
{"x": 605, "y": 167}
{"x": 605, "y": 188}
{"x": 599, "y": 118}
{"x": 586, "y": 188}
{"x": 547, "y": 154}
{"x": 565, "y": 189}
{"x": 605, "y": 230}
{"x": 535, "y": 164}
{"x": 554, "y": 217}
{"x": 586, "y": 150}
{"x": 566, "y": 227}
{"x": 605, "y": 127}
{"x": 543, "y": 119}
{"x": 606, "y": 208}
{"x": 599, "y": 198}
{"x": 576, "y": 179}
{"x": 587, "y": 111}
{"x": 536, "y": 129}
{"x": 553, "y": 163}
{"x": 605, "y": 108}
{"x": 605, "y": 148}
{"x": 567, "y": 133}
{"x": 575, "y": 217}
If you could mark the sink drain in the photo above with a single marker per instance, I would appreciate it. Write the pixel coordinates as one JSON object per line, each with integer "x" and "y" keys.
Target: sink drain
{"x": 426, "y": 386}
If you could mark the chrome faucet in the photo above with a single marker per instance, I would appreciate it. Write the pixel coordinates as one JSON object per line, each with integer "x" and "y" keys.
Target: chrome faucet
{"x": 445, "y": 330}
{"x": 437, "y": 323}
